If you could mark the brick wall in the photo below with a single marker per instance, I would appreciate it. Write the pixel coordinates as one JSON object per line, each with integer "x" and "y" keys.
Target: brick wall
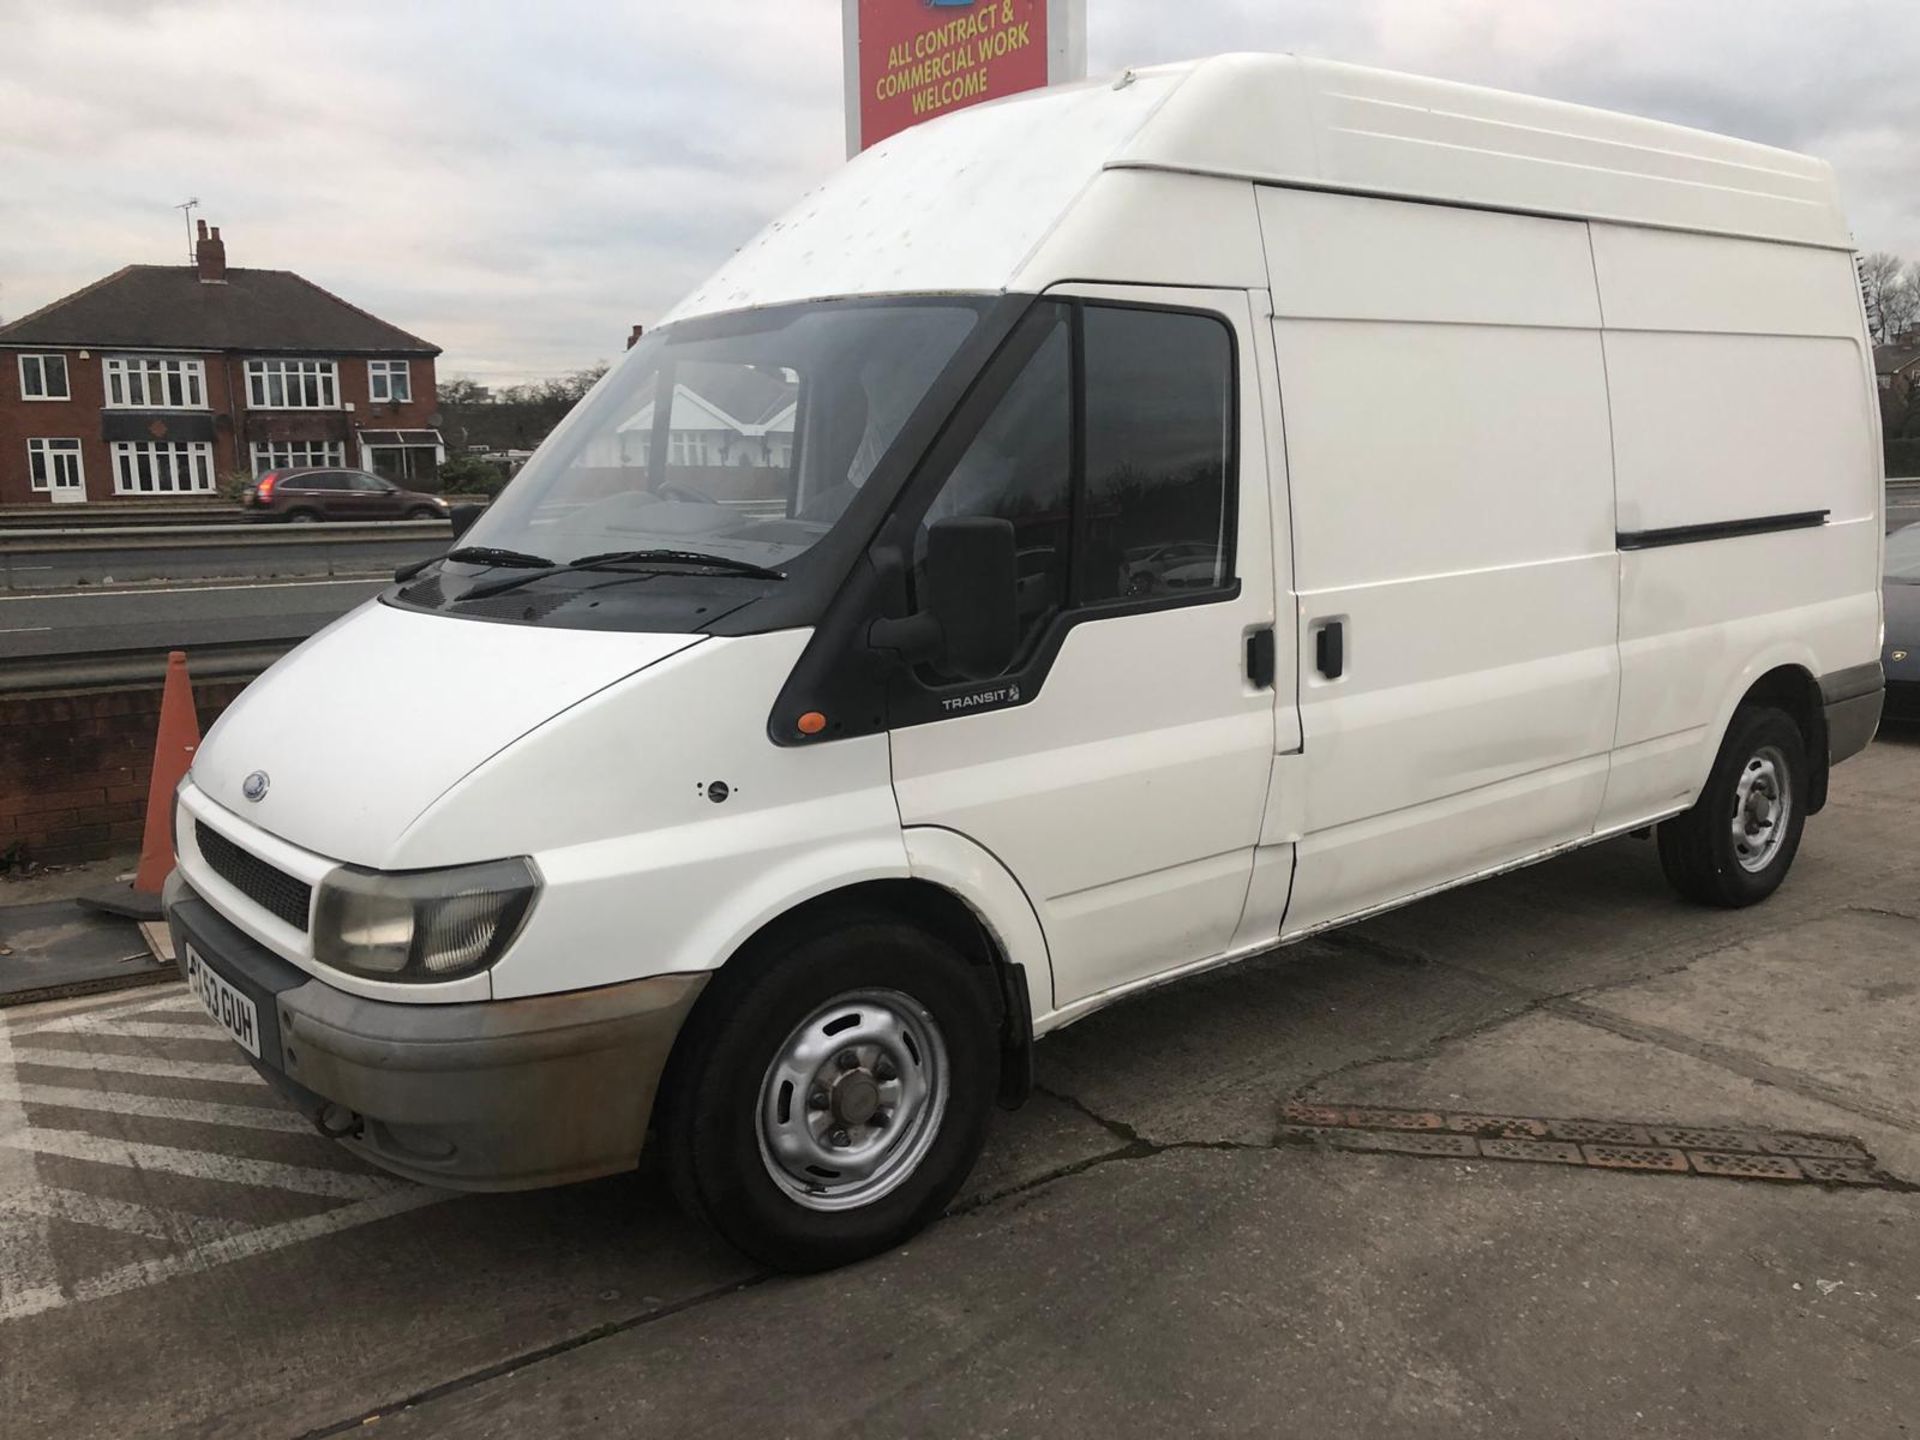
{"x": 74, "y": 769}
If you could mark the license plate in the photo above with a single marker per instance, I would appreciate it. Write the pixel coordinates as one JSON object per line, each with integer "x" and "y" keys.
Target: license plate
{"x": 231, "y": 1010}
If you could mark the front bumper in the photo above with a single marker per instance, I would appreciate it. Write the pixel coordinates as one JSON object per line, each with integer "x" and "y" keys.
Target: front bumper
{"x": 488, "y": 1095}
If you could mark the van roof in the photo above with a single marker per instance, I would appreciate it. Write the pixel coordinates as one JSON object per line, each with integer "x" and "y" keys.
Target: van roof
{"x": 958, "y": 203}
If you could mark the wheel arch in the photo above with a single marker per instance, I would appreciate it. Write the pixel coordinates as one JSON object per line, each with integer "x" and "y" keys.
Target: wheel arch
{"x": 928, "y": 906}
{"x": 1792, "y": 687}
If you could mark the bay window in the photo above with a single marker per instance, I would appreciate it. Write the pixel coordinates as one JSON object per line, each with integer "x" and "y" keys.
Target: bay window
{"x": 162, "y": 467}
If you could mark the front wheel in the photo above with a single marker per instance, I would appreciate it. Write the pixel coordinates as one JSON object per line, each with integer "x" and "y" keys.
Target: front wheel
{"x": 1736, "y": 844}
{"x": 829, "y": 1097}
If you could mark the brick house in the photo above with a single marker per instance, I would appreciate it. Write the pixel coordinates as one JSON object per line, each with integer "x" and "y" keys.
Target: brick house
{"x": 162, "y": 380}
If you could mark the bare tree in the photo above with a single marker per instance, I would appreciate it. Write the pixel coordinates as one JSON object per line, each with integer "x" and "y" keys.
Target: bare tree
{"x": 1891, "y": 289}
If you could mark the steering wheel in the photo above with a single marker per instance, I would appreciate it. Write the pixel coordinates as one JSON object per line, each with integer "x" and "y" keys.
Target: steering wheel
{"x": 667, "y": 490}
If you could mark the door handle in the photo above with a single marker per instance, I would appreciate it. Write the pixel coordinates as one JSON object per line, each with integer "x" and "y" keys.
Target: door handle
{"x": 1330, "y": 649}
{"x": 1260, "y": 658}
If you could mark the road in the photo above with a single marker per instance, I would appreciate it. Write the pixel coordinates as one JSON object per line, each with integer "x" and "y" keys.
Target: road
{"x": 160, "y": 617}
{"x": 1151, "y": 1247}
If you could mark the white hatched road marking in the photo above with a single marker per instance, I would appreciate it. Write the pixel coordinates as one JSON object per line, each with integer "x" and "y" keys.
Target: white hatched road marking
{"x": 52, "y": 1202}
{"x": 31, "y": 1209}
{"x": 15, "y": 1306}
{"x": 26, "y": 1255}
{"x": 185, "y": 1028}
{"x": 200, "y": 1164}
{"x": 159, "y": 1107}
{"x": 109, "y": 1063}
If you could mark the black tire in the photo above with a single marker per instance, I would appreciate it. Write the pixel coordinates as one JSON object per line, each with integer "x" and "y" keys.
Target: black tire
{"x": 710, "y": 1129}
{"x": 303, "y": 517}
{"x": 1699, "y": 851}
{"x": 424, "y": 512}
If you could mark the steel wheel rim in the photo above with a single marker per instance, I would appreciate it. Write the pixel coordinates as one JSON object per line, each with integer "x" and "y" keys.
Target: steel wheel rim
{"x": 878, "y": 1061}
{"x": 1762, "y": 802}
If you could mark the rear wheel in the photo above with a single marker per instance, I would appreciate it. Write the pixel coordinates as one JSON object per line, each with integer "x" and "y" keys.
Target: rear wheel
{"x": 302, "y": 517}
{"x": 1736, "y": 844}
{"x": 831, "y": 1094}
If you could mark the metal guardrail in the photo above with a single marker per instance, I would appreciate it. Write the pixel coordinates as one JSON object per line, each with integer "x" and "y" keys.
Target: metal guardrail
{"x": 35, "y": 541}
{"x": 113, "y": 669}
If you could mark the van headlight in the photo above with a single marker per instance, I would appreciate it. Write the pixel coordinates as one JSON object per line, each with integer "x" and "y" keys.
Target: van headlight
{"x": 421, "y": 925}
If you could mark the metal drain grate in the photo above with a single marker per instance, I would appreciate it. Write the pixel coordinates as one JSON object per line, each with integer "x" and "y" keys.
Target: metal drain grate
{"x": 1599, "y": 1132}
{"x": 1712, "y": 1150}
{"x": 1635, "y": 1157}
{"x": 1744, "y": 1167}
{"x": 1693, "y": 1138}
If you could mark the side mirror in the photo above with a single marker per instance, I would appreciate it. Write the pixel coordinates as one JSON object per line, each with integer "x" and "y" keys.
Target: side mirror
{"x": 462, "y": 518}
{"x": 970, "y": 619}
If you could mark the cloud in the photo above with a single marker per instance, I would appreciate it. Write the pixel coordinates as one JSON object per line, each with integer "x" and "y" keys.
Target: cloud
{"x": 521, "y": 183}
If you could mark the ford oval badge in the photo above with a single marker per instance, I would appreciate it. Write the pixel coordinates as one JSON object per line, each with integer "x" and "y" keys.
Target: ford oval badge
{"x": 255, "y": 785}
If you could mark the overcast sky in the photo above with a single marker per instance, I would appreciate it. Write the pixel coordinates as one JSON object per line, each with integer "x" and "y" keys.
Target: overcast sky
{"x": 521, "y": 182}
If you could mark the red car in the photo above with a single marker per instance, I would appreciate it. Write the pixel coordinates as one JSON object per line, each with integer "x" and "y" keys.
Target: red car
{"x": 305, "y": 496}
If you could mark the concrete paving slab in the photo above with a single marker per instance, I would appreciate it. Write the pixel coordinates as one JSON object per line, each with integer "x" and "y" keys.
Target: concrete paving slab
{"x": 54, "y": 947}
{"x": 1269, "y": 1293}
{"x": 1836, "y": 997}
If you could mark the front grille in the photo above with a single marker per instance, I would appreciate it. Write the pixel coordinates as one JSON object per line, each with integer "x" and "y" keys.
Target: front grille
{"x": 269, "y": 887}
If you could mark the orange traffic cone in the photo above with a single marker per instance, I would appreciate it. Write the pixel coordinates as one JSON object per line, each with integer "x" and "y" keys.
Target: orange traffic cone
{"x": 173, "y": 748}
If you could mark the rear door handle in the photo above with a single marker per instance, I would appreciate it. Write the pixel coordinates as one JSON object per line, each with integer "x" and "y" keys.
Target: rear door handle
{"x": 1330, "y": 649}
{"x": 1260, "y": 658}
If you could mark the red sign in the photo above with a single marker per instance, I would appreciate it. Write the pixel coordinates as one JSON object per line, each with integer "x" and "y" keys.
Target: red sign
{"x": 922, "y": 58}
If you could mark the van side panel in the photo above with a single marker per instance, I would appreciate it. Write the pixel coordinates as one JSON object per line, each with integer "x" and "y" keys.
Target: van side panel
{"x": 1451, "y": 488}
{"x": 1736, "y": 370}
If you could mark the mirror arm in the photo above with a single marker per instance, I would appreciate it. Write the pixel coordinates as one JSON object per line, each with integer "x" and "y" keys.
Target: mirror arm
{"x": 911, "y": 640}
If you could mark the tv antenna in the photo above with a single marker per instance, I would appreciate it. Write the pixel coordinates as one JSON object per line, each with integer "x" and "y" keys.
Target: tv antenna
{"x": 186, "y": 209}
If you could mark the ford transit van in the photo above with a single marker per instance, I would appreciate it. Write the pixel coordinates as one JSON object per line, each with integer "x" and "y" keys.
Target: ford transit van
{"x": 1091, "y": 539}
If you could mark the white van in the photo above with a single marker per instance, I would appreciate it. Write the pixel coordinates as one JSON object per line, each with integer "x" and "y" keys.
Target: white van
{"x": 1093, "y": 538}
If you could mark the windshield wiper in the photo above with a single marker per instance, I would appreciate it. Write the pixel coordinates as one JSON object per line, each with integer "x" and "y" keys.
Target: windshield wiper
{"x": 612, "y": 558}
{"x": 492, "y": 555}
{"x": 624, "y": 559}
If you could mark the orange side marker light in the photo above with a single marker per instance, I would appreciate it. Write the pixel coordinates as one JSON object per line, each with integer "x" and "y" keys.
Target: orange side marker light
{"x": 812, "y": 723}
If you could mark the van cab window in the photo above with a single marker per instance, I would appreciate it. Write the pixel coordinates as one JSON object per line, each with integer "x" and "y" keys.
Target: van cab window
{"x": 1145, "y": 514}
{"x": 1159, "y": 406}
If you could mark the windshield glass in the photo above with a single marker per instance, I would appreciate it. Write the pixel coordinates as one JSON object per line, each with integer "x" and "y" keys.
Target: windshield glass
{"x": 1903, "y": 556}
{"x": 743, "y": 437}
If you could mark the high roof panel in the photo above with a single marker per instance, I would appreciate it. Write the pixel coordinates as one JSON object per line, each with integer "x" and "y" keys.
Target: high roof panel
{"x": 1292, "y": 121}
{"x": 962, "y": 202}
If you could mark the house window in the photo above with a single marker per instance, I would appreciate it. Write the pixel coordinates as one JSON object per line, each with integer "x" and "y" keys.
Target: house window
{"x": 54, "y": 465}
{"x": 162, "y": 467}
{"x": 44, "y": 377}
{"x": 389, "y": 380}
{"x": 293, "y": 385}
{"x": 298, "y": 455}
{"x": 136, "y": 382}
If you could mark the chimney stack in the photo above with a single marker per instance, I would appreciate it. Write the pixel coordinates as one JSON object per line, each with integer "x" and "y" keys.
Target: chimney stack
{"x": 633, "y": 336}
{"x": 210, "y": 256}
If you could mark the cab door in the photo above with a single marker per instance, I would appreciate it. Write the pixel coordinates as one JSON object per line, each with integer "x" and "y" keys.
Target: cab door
{"x": 1119, "y": 767}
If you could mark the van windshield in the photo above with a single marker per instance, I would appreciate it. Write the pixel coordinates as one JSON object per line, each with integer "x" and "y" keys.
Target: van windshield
{"x": 742, "y": 438}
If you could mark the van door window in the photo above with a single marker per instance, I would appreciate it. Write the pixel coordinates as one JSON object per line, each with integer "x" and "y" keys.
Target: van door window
{"x": 1158, "y": 387}
{"x": 1019, "y": 468}
{"x": 1144, "y": 513}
